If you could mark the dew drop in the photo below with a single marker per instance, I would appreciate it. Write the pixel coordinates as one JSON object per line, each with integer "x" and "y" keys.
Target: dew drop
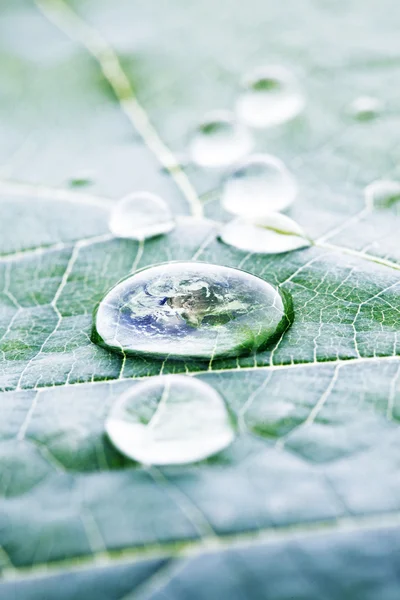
{"x": 274, "y": 234}
{"x": 219, "y": 141}
{"x": 190, "y": 310}
{"x": 271, "y": 96}
{"x": 140, "y": 216}
{"x": 171, "y": 419}
{"x": 365, "y": 108}
{"x": 261, "y": 184}
{"x": 382, "y": 193}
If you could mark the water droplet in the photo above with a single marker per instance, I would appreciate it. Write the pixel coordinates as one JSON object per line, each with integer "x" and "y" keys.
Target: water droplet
{"x": 190, "y": 310}
{"x": 141, "y": 215}
{"x": 82, "y": 179}
{"x": 382, "y": 193}
{"x": 274, "y": 234}
{"x": 260, "y": 185}
{"x": 219, "y": 141}
{"x": 365, "y": 108}
{"x": 271, "y": 96}
{"x": 171, "y": 419}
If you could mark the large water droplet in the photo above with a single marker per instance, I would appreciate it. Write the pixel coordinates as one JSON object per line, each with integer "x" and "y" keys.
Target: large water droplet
{"x": 274, "y": 234}
{"x": 258, "y": 186}
{"x": 190, "y": 310}
{"x": 382, "y": 193}
{"x": 219, "y": 141}
{"x": 271, "y": 96}
{"x": 365, "y": 108}
{"x": 140, "y": 216}
{"x": 170, "y": 419}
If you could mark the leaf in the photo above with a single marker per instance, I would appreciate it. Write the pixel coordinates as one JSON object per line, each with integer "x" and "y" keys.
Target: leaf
{"x": 305, "y": 503}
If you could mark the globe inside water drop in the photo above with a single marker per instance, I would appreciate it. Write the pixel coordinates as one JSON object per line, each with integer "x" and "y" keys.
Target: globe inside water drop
{"x": 271, "y": 96}
{"x": 191, "y": 310}
{"x": 171, "y": 419}
{"x": 140, "y": 216}
{"x": 219, "y": 141}
{"x": 259, "y": 185}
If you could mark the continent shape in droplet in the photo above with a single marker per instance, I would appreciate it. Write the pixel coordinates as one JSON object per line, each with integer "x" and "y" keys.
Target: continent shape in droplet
{"x": 274, "y": 234}
{"x": 170, "y": 419}
{"x": 219, "y": 141}
{"x": 191, "y": 310}
{"x": 382, "y": 193}
{"x": 271, "y": 95}
{"x": 258, "y": 186}
{"x": 139, "y": 216}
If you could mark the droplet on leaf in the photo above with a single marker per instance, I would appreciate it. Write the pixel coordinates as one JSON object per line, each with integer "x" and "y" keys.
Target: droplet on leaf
{"x": 365, "y": 108}
{"x": 191, "y": 310}
{"x": 140, "y": 216}
{"x": 274, "y": 234}
{"x": 171, "y": 419}
{"x": 261, "y": 184}
{"x": 271, "y": 96}
{"x": 219, "y": 141}
{"x": 382, "y": 193}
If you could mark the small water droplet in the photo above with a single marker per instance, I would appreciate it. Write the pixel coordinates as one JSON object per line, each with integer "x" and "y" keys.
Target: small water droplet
{"x": 274, "y": 234}
{"x": 190, "y": 310}
{"x": 140, "y": 216}
{"x": 171, "y": 419}
{"x": 382, "y": 193}
{"x": 261, "y": 184}
{"x": 219, "y": 141}
{"x": 271, "y": 96}
{"x": 365, "y": 108}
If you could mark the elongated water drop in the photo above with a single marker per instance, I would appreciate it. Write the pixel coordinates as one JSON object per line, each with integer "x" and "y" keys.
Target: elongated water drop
{"x": 274, "y": 234}
{"x": 190, "y": 310}
{"x": 258, "y": 186}
{"x": 140, "y": 216}
{"x": 365, "y": 108}
{"x": 271, "y": 96}
{"x": 219, "y": 141}
{"x": 171, "y": 419}
{"x": 382, "y": 193}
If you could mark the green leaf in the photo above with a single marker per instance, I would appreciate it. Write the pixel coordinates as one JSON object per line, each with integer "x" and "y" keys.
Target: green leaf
{"x": 305, "y": 503}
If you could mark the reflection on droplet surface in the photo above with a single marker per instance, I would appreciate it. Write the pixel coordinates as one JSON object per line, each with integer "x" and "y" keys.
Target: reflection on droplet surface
{"x": 219, "y": 141}
{"x": 258, "y": 186}
{"x": 365, "y": 108}
{"x": 382, "y": 193}
{"x": 274, "y": 234}
{"x": 190, "y": 310}
{"x": 140, "y": 216}
{"x": 171, "y": 419}
{"x": 271, "y": 96}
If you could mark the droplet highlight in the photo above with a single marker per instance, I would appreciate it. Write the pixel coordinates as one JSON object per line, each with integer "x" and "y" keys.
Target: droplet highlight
{"x": 383, "y": 193}
{"x": 271, "y": 96}
{"x": 365, "y": 108}
{"x": 258, "y": 186}
{"x": 219, "y": 141}
{"x": 140, "y": 216}
{"x": 171, "y": 419}
{"x": 274, "y": 234}
{"x": 191, "y": 310}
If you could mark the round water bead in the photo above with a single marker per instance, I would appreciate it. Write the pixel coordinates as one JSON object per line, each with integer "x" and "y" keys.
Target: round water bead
{"x": 261, "y": 184}
{"x": 365, "y": 108}
{"x": 382, "y": 193}
{"x": 219, "y": 141}
{"x": 140, "y": 216}
{"x": 190, "y": 310}
{"x": 171, "y": 419}
{"x": 271, "y": 96}
{"x": 274, "y": 234}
